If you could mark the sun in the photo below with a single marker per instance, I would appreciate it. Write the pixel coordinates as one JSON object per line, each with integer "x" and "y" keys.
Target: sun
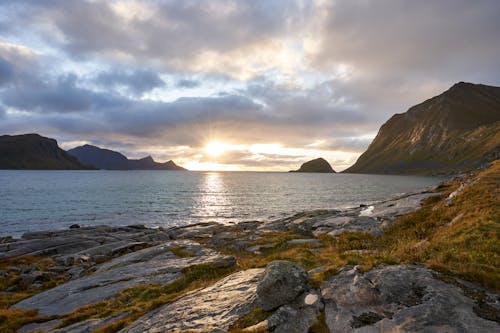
{"x": 215, "y": 148}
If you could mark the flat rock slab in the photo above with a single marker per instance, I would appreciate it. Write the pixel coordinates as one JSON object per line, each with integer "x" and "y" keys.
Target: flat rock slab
{"x": 95, "y": 240}
{"x": 398, "y": 206}
{"x": 154, "y": 265}
{"x": 399, "y": 299}
{"x": 210, "y": 309}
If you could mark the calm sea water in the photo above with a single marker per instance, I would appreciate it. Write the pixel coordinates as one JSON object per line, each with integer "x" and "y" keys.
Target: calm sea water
{"x": 44, "y": 200}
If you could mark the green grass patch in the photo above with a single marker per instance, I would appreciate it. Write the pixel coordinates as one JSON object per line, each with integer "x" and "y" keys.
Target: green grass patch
{"x": 252, "y": 318}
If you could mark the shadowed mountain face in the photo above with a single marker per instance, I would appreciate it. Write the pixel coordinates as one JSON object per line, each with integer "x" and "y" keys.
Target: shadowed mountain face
{"x": 453, "y": 132}
{"x": 111, "y": 160}
{"x": 316, "y": 165}
{"x": 32, "y": 151}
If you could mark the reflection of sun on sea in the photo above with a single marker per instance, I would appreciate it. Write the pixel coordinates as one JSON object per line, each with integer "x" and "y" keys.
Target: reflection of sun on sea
{"x": 212, "y": 202}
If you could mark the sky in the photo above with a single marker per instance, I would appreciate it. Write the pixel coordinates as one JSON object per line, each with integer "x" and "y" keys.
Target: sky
{"x": 234, "y": 85}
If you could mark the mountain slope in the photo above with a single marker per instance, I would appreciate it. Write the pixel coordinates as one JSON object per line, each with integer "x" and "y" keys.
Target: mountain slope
{"x": 316, "y": 165}
{"x": 453, "y": 132}
{"x": 111, "y": 160}
{"x": 32, "y": 151}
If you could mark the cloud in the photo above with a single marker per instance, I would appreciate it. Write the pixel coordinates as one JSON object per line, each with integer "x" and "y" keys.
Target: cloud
{"x": 59, "y": 95}
{"x": 187, "y": 83}
{"x": 6, "y": 71}
{"x": 319, "y": 77}
{"x": 135, "y": 82}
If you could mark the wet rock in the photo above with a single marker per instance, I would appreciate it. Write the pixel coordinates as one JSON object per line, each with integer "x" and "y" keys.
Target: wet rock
{"x": 282, "y": 283}
{"x": 74, "y": 226}
{"x": 81, "y": 241}
{"x": 212, "y": 309}
{"x": 399, "y": 298}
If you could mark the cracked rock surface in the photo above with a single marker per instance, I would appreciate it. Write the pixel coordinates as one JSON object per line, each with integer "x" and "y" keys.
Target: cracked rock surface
{"x": 400, "y": 299}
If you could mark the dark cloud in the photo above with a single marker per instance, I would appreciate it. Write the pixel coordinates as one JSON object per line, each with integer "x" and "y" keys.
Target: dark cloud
{"x": 61, "y": 94}
{"x": 6, "y": 72}
{"x": 136, "y": 82}
{"x": 187, "y": 83}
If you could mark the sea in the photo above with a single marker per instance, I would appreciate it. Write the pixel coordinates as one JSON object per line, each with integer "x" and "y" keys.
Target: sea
{"x": 49, "y": 200}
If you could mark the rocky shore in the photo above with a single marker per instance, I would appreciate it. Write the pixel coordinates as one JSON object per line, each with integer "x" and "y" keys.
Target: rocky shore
{"x": 203, "y": 284}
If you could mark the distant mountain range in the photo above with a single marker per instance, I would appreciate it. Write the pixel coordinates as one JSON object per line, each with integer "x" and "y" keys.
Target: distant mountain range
{"x": 316, "y": 165}
{"x": 32, "y": 151}
{"x": 111, "y": 160}
{"x": 450, "y": 133}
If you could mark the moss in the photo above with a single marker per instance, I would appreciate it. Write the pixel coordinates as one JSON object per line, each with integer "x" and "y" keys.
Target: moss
{"x": 255, "y": 316}
{"x": 181, "y": 252}
{"x": 320, "y": 325}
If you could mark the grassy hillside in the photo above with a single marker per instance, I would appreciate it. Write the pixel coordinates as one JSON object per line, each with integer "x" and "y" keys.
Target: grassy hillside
{"x": 450, "y": 133}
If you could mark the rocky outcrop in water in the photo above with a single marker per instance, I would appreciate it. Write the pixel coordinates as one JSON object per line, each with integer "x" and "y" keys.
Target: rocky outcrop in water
{"x": 316, "y": 165}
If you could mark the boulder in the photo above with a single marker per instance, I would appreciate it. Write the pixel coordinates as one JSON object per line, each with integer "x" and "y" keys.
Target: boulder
{"x": 298, "y": 316}
{"x": 282, "y": 283}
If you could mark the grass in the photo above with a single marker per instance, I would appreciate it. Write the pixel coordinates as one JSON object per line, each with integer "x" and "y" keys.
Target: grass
{"x": 462, "y": 239}
{"x": 13, "y": 289}
{"x": 252, "y": 318}
{"x": 181, "y": 252}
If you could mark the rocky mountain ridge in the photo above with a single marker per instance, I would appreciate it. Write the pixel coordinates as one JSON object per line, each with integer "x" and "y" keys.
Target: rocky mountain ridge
{"x": 450, "y": 133}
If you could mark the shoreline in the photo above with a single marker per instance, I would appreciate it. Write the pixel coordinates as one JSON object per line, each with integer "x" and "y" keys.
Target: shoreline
{"x": 291, "y": 274}
{"x": 275, "y": 217}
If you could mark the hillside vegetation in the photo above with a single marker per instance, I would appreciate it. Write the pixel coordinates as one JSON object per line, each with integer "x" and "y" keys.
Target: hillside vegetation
{"x": 456, "y": 131}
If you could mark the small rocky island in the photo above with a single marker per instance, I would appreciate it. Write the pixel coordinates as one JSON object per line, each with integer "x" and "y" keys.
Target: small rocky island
{"x": 317, "y": 165}
{"x": 372, "y": 268}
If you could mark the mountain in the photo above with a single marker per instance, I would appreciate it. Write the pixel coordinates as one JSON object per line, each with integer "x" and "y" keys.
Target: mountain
{"x": 450, "y": 133}
{"x": 32, "y": 151}
{"x": 111, "y": 160}
{"x": 316, "y": 165}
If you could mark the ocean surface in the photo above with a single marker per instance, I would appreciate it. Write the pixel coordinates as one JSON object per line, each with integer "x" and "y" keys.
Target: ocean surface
{"x": 46, "y": 200}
